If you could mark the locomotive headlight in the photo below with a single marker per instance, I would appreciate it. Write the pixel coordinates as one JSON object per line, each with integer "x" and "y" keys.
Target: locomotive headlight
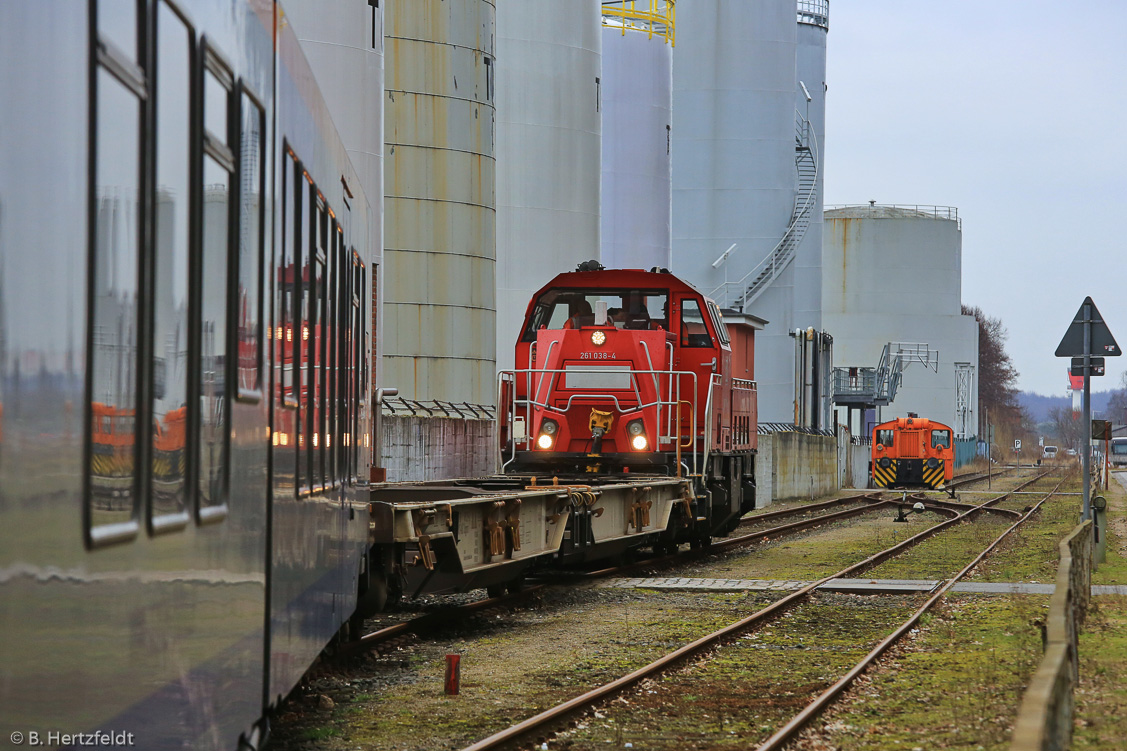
{"x": 885, "y": 462}
{"x": 548, "y": 430}
{"x": 634, "y": 427}
{"x": 598, "y": 338}
{"x": 639, "y": 443}
{"x": 932, "y": 463}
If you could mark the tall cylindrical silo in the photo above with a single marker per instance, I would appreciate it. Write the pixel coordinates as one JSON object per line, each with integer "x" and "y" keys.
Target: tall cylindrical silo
{"x": 637, "y": 85}
{"x": 734, "y": 167}
{"x": 548, "y": 136}
{"x": 344, "y": 44}
{"x": 439, "y": 202}
{"x": 894, "y": 274}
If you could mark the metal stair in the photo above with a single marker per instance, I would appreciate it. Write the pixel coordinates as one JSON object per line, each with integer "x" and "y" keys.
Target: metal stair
{"x": 877, "y": 387}
{"x": 757, "y": 280}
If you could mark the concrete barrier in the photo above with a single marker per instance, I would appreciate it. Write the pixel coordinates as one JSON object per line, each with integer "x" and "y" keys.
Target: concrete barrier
{"x": 434, "y": 448}
{"x": 1044, "y": 722}
{"x": 795, "y": 465}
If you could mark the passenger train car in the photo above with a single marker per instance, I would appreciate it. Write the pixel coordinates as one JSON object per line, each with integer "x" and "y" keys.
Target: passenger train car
{"x": 186, "y": 518}
{"x": 912, "y": 452}
{"x": 185, "y": 274}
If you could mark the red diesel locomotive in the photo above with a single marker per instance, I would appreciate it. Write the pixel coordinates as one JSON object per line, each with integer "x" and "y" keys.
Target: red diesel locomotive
{"x": 912, "y": 452}
{"x": 625, "y": 371}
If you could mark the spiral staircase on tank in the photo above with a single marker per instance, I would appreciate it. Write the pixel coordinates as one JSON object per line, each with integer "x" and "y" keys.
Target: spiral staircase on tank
{"x": 753, "y": 284}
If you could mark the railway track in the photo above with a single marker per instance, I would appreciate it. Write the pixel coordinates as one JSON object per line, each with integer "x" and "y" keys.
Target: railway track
{"x": 396, "y": 635}
{"x": 544, "y": 724}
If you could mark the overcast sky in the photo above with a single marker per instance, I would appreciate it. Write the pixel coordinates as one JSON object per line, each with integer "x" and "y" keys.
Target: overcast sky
{"x": 1013, "y": 112}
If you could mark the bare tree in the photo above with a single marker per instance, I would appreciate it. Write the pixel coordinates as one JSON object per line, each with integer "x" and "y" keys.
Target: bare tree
{"x": 1117, "y": 405}
{"x": 1068, "y": 426}
{"x": 997, "y": 376}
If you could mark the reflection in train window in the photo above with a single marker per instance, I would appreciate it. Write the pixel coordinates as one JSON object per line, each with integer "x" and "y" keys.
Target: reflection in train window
{"x": 170, "y": 348}
{"x": 212, "y": 273}
{"x": 117, "y": 226}
{"x": 248, "y": 300}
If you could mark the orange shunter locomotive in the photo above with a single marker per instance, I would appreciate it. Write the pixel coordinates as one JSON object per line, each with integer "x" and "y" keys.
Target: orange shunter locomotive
{"x": 912, "y": 452}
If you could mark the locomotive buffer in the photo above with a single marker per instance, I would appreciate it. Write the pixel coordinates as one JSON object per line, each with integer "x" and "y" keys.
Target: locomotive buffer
{"x": 1088, "y": 335}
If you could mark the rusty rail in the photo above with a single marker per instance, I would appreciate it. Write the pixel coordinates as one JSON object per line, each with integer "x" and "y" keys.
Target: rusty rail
{"x": 791, "y": 729}
{"x": 1044, "y": 720}
{"x": 556, "y": 714}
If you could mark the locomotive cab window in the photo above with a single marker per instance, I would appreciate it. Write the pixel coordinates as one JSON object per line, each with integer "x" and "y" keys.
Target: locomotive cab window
{"x": 718, "y": 323}
{"x": 694, "y": 332}
{"x": 573, "y": 308}
{"x": 940, "y": 439}
{"x": 885, "y": 438}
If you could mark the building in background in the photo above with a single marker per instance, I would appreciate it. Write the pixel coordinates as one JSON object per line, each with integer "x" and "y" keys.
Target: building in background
{"x": 747, "y": 177}
{"x": 439, "y": 319}
{"x": 637, "y": 85}
{"x": 894, "y": 274}
{"x": 547, "y": 150}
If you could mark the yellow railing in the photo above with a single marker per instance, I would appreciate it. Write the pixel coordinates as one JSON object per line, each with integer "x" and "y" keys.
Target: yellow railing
{"x": 652, "y": 17}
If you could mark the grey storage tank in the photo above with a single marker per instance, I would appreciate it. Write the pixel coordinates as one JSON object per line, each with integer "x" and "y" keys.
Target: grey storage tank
{"x": 344, "y": 44}
{"x": 440, "y": 203}
{"x": 894, "y": 274}
{"x": 637, "y": 84}
{"x": 548, "y": 136}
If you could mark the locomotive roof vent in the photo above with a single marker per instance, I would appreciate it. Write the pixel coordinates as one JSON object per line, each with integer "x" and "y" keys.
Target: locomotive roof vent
{"x": 591, "y": 265}
{"x": 659, "y": 270}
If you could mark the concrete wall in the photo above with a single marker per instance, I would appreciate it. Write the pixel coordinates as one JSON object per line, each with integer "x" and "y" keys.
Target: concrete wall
{"x": 795, "y": 465}
{"x": 433, "y": 448}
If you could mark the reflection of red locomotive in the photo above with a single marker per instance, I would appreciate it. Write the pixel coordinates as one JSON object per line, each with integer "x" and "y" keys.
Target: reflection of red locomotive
{"x": 628, "y": 371}
{"x": 912, "y": 452}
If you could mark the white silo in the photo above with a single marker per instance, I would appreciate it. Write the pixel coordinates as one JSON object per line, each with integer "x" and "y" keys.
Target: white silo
{"x": 548, "y": 136}
{"x": 343, "y": 42}
{"x": 637, "y": 84}
{"x": 439, "y": 203}
{"x": 894, "y": 274}
{"x": 734, "y": 169}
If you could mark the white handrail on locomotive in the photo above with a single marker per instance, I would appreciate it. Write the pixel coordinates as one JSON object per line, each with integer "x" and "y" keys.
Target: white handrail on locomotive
{"x": 525, "y": 405}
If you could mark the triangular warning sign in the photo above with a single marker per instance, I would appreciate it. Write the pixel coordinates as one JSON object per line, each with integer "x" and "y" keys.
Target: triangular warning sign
{"x": 1103, "y": 343}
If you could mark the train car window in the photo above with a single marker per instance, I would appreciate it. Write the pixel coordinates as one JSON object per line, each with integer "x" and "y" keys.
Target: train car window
{"x": 885, "y": 438}
{"x": 302, "y": 381}
{"x": 172, "y": 268}
{"x": 252, "y": 223}
{"x": 212, "y": 275}
{"x": 117, "y": 225}
{"x": 288, "y": 286}
{"x": 694, "y": 331}
{"x": 118, "y": 22}
{"x": 718, "y": 323}
{"x": 941, "y": 439}
{"x": 356, "y": 356}
{"x": 318, "y": 337}
{"x": 339, "y": 353}
{"x": 362, "y": 356}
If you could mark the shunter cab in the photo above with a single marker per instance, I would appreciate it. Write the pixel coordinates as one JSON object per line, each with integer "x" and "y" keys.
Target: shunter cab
{"x": 625, "y": 371}
{"x": 912, "y": 452}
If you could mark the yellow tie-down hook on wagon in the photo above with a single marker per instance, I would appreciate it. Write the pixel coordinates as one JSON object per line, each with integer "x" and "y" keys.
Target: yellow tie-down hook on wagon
{"x": 600, "y": 423}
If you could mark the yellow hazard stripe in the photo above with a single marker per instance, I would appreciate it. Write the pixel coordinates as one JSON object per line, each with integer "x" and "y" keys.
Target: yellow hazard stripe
{"x": 884, "y": 476}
